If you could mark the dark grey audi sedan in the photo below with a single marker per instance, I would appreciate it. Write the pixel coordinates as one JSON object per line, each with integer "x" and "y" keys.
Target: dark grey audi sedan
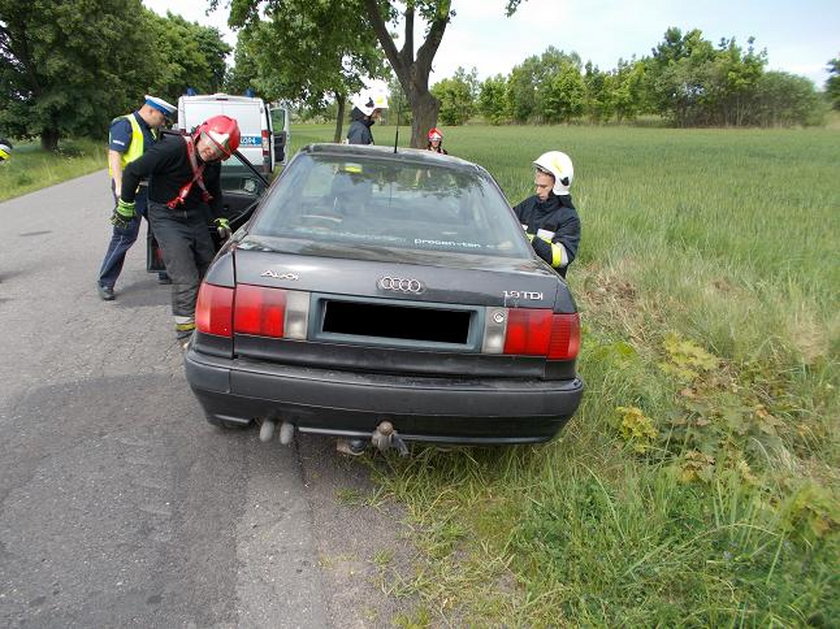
{"x": 377, "y": 294}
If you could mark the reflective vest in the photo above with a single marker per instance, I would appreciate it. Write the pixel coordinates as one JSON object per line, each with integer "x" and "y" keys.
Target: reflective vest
{"x": 135, "y": 149}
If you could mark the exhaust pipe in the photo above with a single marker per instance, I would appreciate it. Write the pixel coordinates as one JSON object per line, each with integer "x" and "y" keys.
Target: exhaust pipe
{"x": 269, "y": 426}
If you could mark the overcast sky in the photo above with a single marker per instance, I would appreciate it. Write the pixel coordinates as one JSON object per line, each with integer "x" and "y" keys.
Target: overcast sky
{"x": 800, "y": 35}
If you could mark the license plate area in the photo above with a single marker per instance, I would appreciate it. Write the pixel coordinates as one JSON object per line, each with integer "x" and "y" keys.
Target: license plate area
{"x": 404, "y": 324}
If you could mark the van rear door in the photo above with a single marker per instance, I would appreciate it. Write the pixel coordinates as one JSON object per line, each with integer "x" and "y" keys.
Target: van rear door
{"x": 280, "y": 124}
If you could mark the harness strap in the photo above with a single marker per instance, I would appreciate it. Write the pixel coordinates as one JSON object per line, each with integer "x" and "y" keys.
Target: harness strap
{"x": 197, "y": 178}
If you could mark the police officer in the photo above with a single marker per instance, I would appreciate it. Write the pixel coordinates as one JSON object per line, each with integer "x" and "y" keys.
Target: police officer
{"x": 549, "y": 218}
{"x": 129, "y": 137}
{"x": 184, "y": 196}
{"x": 5, "y": 150}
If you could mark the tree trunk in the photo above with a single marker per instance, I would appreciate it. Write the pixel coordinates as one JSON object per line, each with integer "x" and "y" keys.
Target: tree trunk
{"x": 341, "y": 99}
{"x": 49, "y": 139}
{"x": 424, "y": 111}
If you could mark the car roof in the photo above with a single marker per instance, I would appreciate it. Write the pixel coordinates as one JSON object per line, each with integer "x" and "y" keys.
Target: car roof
{"x": 402, "y": 154}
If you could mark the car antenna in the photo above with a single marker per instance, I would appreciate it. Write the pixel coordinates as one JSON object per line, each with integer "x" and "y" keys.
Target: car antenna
{"x": 397, "y": 129}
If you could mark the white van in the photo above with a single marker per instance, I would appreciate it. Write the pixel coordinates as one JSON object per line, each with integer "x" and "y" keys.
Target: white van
{"x": 260, "y": 144}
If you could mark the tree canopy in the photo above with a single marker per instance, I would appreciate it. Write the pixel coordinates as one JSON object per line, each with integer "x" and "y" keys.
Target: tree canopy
{"x": 68, "y": 68}
{"x": 371, "y": 21}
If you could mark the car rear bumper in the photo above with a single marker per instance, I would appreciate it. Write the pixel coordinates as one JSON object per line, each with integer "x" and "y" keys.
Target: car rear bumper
{"x": 350, "y": 404}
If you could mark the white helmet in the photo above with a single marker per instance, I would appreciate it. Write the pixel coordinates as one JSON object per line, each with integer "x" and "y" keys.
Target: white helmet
{"x": 559, "y": 165}
{"x": 367, "y": 102}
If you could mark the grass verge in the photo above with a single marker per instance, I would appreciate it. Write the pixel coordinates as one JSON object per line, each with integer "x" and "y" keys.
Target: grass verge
{"x": 31, "y": 168}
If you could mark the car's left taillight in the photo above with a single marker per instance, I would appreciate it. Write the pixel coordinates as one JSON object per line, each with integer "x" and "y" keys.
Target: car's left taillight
{"x": 532, "y": 332}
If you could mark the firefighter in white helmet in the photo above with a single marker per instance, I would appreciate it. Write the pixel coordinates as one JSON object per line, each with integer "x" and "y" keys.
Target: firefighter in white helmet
{"x": 549, "y": 218}
{"x": 367, "y": 107}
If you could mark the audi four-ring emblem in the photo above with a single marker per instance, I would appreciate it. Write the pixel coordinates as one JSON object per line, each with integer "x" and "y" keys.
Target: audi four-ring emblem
{"x": 401, "y": 284}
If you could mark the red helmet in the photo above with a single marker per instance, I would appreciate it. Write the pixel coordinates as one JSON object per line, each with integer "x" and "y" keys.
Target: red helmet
{"x": 435, "y": 134}
{"x": 222, "y": 132}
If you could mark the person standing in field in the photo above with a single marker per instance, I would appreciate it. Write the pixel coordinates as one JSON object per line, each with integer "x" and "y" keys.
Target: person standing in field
{"x": 367, "y": 108}
{"x": 435, "y": 143}
{"x": 129, "y": 137}
{"x": 549, "y": 218}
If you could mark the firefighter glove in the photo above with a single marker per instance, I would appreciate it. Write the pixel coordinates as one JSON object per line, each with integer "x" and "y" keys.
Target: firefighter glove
{"x": 223, "y": 228}
{"x": 123, "y": 214}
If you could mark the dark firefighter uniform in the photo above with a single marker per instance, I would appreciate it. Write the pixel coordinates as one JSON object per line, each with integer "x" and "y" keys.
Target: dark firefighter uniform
{"x": 181, "y": 227}
{"x": 553, "y": 227}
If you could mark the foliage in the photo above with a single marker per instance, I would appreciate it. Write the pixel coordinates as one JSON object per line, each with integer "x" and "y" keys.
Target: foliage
{"x": 353, "y": 27}
{"x": 492, "y": 100}
{"x": 832, "y": 84}
{"x": 537, "y": 88}
{"x": 457, "y": 97}
{"x": 304, "y": 52}
{"x": 784, "y": 100}
{"x": 561, "y": 96}
{"x": 186, "y": 55}
{"x": 69, "y": 67}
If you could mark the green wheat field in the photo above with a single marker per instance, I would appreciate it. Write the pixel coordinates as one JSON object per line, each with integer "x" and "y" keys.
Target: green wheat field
{"x": 698, "y": 483}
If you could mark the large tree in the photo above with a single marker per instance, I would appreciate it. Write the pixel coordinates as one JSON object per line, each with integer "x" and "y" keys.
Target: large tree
{"x": 66, "y": 67}
{"x": 303, "y": 51}
{"x": 374, "y": 18}
{"x": 186, "y": 54}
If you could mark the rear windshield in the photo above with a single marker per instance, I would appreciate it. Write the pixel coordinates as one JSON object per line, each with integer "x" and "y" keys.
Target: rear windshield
{"x": 386, "y": 203}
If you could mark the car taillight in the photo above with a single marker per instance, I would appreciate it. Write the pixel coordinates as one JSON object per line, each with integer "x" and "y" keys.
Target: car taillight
{"x": 259, "y": 311}
{"x": 565, "y": 336}
{"x": 532, "y": 332}
{"x": 273, "y": 312}
{"x": 266, "y": 144}
{"x": 214, "y": 310}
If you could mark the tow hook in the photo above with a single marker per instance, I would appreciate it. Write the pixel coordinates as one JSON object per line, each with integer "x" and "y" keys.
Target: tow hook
{"x": 385, "y": 437}
{"x": 287, "y": 431}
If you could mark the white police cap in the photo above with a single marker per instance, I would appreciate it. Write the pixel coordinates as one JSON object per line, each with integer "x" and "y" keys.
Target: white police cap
{"x": 168, "y": 109}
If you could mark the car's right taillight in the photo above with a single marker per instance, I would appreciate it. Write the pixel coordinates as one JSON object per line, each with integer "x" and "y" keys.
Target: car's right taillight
{"x": 532, "y": 332}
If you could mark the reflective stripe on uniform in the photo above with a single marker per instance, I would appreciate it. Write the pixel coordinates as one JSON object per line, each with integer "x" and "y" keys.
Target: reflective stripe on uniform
{"x": 184, "y": 324}
{"x": 135, "y": 149}
{"x": 559, "y": 255}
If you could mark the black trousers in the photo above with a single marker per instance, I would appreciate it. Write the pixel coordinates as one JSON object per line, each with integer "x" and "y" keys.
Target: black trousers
{"x": 187, "y": 248}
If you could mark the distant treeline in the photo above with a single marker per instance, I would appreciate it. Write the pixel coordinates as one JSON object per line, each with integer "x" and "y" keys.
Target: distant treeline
{"x": 687, "y": 80}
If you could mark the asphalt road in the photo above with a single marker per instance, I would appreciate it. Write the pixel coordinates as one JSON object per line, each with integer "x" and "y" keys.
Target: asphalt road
{"x": 119, "y": 504}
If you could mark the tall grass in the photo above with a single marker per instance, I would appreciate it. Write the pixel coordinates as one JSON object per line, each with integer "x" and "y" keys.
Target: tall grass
{"x": 31, "y": 168}
{"x": 698, "y": 483}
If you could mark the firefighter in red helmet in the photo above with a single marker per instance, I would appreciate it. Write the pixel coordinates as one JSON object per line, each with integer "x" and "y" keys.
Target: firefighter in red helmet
{"x": 184, "y": 196}
{"x": 435, "y": 143}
